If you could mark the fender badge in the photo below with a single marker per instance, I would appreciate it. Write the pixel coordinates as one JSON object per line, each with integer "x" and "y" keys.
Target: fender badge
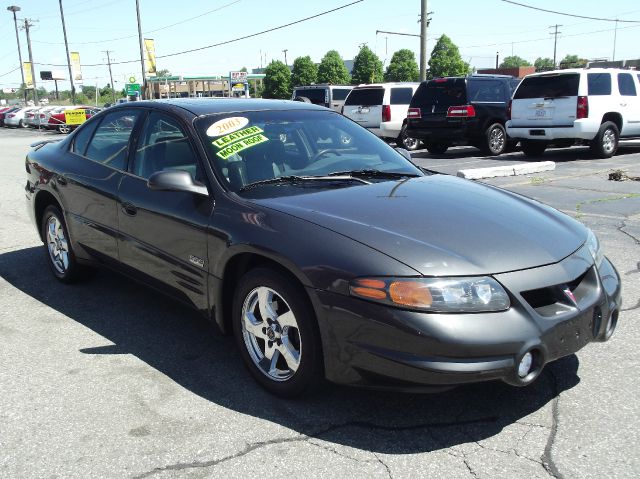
{"x": 197, "y": 261}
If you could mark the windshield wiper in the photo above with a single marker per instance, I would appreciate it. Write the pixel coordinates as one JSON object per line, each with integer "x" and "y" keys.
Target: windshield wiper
{"x": 370, "y": 173}
{"x": 293, "y": 179}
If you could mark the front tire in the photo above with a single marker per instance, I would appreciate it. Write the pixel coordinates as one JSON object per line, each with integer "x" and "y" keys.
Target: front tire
{"x": 60, "y": 256}
{"x": 64, "y": 129}
{"x": 277, "y": 334}
{"x": 533, "y": 148}
{"x": 495, "y": 141}
{"x": 605, "y": 144}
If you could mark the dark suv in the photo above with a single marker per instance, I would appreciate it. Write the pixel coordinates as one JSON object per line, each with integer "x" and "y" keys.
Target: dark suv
{"x": 469, "y": 110}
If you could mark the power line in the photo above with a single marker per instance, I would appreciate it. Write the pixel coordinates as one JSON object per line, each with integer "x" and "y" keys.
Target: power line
{"x": 150, "y": 31}
{"x": 9, "y": 73}
{"x": 568, "y": 14}
{"x": 226, "y": 42}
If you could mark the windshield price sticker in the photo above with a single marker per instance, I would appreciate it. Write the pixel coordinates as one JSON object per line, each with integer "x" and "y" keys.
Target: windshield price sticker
{"x": 242, "y": 144}
{"x": 75, "y": 117}
{"x": 227, "y": 125}
{"x": 238, "y": 135}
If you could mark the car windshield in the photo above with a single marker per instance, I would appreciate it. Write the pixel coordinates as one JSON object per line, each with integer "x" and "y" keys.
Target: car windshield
{"x": 254, "y": 146}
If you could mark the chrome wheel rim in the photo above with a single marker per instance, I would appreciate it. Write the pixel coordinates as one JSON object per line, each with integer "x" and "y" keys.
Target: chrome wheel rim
{"x": 57, "y": 245}
{"x": 608, "y": 141}
{"x": 496, "y": 140}
{"x": 409, "y": 143}
{"x": 271, "y": 334}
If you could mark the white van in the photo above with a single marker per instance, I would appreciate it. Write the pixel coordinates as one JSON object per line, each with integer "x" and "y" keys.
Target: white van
{"x": 597, "y": 106}
{"x": 382, "y": 109}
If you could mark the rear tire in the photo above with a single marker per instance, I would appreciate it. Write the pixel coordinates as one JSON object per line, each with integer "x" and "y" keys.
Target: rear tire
{"x": 436, "y": 148}
{"x": 495, "y": 141}
{"x": 407, "y": 142}
{"x": 605, "y": 144}
{"x": 533, "y": 148}
{"x": 57, "y": 245}
{"x": 288, "y": 332}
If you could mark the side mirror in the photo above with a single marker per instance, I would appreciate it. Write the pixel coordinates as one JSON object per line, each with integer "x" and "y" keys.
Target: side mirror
{"x": 404, "y": 153}
{"x": 175, "y": 180}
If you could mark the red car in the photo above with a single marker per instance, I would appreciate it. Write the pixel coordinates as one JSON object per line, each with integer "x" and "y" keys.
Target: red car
{"x": 57, "y": 120}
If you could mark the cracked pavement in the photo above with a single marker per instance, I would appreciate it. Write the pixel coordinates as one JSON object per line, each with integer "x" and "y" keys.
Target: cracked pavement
{"x": 109, "y": 379}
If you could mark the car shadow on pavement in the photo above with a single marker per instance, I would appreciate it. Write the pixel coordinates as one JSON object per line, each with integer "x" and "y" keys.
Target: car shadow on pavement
{"x": 182, "y": 345}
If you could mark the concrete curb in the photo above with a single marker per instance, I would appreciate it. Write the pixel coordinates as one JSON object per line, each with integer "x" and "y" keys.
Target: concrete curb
{"x": 511, "y": 170}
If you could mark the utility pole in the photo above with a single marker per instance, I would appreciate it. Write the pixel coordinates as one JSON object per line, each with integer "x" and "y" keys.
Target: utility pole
{"x": 66, "y": 46}
{"x": 497, "y": 59}
{"x": 285, "y": 56}
{"x": 144, "y": 81}
{"x": 615, "y": 35}
{"x": 113, "y": 92}
{"x": 27, "y": 25}
{"x": 15, "y": 9}
{"x": 424, "y": 22}
{"x": 555, "y": 42}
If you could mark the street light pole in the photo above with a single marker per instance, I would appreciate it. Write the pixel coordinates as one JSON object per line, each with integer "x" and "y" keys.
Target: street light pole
{"x": 424, "y": 22}
{"x": 27, "y": 25}
{"x": 144, "y": 82}
{"x": 15, "y": 9}
{"x": 66, "y": 46}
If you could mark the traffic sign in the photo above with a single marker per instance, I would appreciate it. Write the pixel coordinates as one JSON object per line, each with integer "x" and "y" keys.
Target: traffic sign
{"x": 132, "y": 88}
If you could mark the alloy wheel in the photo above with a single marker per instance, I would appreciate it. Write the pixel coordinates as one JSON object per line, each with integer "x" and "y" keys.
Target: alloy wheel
{"x": 271, "y": 334}
{"x": 496, "y": 140}
{"x": 57, "y": 245}
{"x": 608, "y": 141}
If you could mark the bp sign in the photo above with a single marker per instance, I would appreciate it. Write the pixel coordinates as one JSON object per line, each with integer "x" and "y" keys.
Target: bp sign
{"x": 132, "y": 88}
{"x": 132, "y": 79}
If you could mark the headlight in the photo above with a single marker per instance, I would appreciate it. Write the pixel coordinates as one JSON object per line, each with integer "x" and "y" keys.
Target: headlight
{"x": 594, "y": 248}
{"x": 441, "y": 295}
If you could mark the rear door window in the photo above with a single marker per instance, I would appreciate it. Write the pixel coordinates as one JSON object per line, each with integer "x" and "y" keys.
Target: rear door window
{"x": 340, "y": 94}
{"x": 401, "y": 96}
{"x": 548, "y": 86}
{"x": 489, "y": 91}
{"x": 626, "y": 86}
{"x": 440, "y": 94}
{"x": 110, "y": 143}
{"x": 599, "y": 83}
{"x": 316, "y": 95}
{"x": 365, "y": 96}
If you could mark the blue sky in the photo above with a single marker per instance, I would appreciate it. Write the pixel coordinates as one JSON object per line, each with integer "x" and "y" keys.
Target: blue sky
{"x": 479, "y": 27}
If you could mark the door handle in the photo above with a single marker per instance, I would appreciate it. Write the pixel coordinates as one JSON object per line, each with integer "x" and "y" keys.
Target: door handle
{"x": 129, "y": 209}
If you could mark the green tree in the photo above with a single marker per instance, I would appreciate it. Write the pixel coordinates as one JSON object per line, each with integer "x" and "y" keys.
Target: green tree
{"x": 163, "y": 73}
{"x": 277, "y": 80}
{"x": 304, "y": 72}
{"x": 402, "y": 67}
{"x": 544, "y": 64}
{"x": 514, "y": 61}
{"x": 244, "y": 69}
{"x": 332, "y": 69}
{"x": 367, "y": 67}
{"x": 445, "y": 60}
{"x": 573, "y": 61}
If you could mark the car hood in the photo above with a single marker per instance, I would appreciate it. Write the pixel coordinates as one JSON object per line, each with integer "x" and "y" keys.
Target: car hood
{"x": 442, "y": 225}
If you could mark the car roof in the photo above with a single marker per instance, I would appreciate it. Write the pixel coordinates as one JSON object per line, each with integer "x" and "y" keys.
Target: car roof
{"x": 323, "y": 85}
{"x": 583, "y": 70}
{"x": 209, "y": 106}
{"x": 387, "y": 84}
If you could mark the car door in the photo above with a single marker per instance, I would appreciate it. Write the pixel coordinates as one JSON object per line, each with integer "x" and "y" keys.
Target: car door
{"x": 163, "y": 233}
{"x": 629, "y": 104}
{"x": 90, "y": 181}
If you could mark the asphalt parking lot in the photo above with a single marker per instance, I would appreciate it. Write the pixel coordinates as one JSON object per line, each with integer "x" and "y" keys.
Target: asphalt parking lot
{"x": 109, "y": 379}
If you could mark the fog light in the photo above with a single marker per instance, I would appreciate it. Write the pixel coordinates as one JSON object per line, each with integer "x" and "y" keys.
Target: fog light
{"x": 525, "y": 365}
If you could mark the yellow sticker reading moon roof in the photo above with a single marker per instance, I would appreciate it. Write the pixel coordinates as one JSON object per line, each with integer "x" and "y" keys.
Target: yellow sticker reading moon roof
{"x": 227, "y": 125}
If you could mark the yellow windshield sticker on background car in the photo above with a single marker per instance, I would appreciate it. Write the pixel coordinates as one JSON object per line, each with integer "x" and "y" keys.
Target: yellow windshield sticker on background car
{"x": 238, "y": 135}
{"x": 243, "y": 144}
{"x": 75, "y": 117}
{"x": 227, "y": 125}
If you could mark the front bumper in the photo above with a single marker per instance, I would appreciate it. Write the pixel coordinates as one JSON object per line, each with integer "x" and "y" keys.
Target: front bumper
{"x": 372, "y": 345}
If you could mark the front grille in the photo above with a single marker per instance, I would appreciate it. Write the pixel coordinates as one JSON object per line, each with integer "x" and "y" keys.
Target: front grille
{"x": 551, "y": 301}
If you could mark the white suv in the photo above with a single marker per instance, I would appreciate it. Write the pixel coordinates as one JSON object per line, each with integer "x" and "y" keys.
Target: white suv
{"x": 382, "y": 109}
{"x": 597, "y": 106}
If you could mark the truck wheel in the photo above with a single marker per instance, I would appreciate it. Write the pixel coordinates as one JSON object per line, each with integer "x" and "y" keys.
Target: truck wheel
{"x": 407, "y": 142}
{"x": 495, "y": 142}
{"x": 532, "y": 147}
{"x": 605, "y": 144}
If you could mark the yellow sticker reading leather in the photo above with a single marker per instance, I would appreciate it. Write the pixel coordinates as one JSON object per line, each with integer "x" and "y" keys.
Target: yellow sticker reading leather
{"x": 240, "y": 145}
{"x": 238, "y": 135}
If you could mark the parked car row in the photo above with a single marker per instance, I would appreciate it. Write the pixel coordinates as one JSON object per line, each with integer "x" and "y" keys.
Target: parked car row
{"x": 47, "y": 117}
{"x": 596, "y": 107}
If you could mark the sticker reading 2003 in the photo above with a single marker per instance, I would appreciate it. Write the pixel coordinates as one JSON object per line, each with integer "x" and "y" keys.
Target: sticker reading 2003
{"x": 227, "y": 125}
